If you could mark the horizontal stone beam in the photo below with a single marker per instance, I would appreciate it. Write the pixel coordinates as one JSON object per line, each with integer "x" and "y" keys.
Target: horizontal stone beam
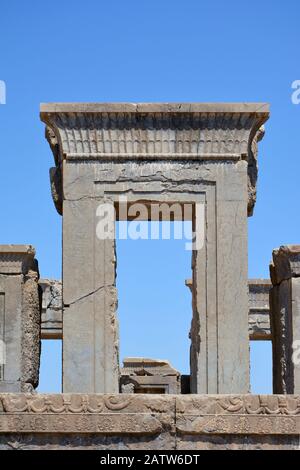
{"x": 259, "y": 314}
{"x": 145, "y": 421}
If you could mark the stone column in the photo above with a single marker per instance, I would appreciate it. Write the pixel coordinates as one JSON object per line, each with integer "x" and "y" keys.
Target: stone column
{"x": 285, "y": 319}
{"x": 195, "y": 153}
{"x": 19, "y": 319}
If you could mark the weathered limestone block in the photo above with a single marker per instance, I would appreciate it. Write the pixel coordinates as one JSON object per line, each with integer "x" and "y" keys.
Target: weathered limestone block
{"x": 122, "y": 421}
{"x": 142, "y": 375}
{"x": 237, "y": 422}
{"x": 19, "y": 318}
{"x": 149, "y": 422}
{"x": 258, "y": 320}
{"x": 55, "y": 172}
{"x": 259, "y": 309}
{"x": 285, "y": 318}
{"x": 51, "y": 309}
{"x": 192, "y": 153}
{"x": 239, "y": 414}
{"x": 253, "y": 169}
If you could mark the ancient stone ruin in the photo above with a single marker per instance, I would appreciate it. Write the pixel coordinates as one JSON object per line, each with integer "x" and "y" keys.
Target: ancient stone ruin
{"x": 203, "y": 156}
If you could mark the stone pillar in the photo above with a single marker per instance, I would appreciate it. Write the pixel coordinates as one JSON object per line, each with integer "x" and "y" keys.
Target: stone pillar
{"x": 19, "y": 319}
{"x": 285, "y": 318}
{"x": 200, "y": 154}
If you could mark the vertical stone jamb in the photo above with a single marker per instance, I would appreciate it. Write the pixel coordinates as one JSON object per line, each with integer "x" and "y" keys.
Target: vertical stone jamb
{"x": 285, "y": 318}
{"x": 19, "y": 318}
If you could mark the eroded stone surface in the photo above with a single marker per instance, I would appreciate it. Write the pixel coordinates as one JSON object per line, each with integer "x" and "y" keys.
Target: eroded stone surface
{"x": 258, "y": 320}
{"x": 196, "y": 153}
{"x": 285, "y": 318}
{"x": 51, "y": 321}
{"x": 144, "y": 375}
{"x": 19, "y": 318}
{"x": 259, "y": 308}
{"x": 149, "y": 421}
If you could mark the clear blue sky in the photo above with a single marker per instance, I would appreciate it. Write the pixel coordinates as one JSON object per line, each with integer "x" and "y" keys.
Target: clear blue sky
{"x": 138, "y": 50}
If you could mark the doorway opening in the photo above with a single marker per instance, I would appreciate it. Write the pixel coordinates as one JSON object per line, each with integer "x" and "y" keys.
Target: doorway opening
{"x": 154, "y": 304}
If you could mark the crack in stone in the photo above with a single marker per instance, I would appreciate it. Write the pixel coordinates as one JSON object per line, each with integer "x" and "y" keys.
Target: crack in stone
{"x": 89, "y": 294}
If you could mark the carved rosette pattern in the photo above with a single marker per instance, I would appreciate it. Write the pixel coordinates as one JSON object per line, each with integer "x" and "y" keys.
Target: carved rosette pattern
{"x": 150, "y": 415}
{"x": 102, "y": 414}
{"x": 243, "y": 414}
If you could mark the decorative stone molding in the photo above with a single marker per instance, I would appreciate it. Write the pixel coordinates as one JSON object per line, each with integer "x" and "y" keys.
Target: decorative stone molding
{"x": 203, "y": 131}
{"x": 168, "y": 421}
{"x": 103, "y": 414}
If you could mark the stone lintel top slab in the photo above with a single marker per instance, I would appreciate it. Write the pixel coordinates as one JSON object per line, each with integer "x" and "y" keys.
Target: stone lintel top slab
{"x": 257, "y": 108}
{"x": 17, "y": 259}
{"x": 78, "y": 131}
{"x": 153, "y": 132}
{"x": 19, "y": 249}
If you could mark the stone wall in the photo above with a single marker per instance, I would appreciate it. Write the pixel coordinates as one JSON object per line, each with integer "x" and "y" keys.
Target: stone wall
{"x": 147, "y": 422}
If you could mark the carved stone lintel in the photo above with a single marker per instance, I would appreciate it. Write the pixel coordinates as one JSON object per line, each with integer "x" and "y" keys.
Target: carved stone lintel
{"x": 131, "y": 130}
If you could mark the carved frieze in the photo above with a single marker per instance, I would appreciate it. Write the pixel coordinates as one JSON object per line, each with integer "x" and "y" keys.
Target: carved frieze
{"x": 150, "y": 414}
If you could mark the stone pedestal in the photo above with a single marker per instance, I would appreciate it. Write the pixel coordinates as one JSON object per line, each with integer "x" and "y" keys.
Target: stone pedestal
{"x": 285, "y": 318}
{"x": 203, "y": 155}
{"x": 19, "y": 319}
